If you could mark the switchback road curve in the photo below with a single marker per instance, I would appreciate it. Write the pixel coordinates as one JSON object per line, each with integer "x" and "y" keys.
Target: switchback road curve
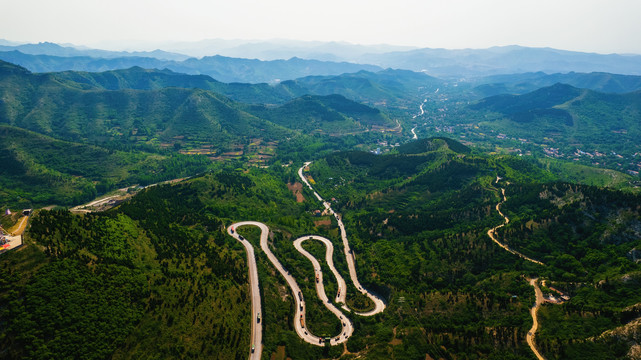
{"x": 299, "y": 316}
{"x": 379, "y": 304}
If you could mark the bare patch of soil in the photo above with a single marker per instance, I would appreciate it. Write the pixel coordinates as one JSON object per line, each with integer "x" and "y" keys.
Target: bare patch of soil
{"x": 297, "y": 189}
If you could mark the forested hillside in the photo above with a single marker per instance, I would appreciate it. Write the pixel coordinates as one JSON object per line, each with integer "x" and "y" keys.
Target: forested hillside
{"x": 36, "y": 170}
{"x": 419, "y": 222}
{"x": 160, "y": 117}
{"x": 156, "y": 277}
{"x": 331, "y": 114}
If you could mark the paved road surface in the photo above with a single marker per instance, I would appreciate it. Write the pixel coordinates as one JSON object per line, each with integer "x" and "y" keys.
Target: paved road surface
{"x": 257, "y": 327}
{"x": 329, "y": 259}
{"x": 535, "y": 322}
{"x": 379, "y": 304}
{"x": 301, "y": 327}
{"x": 346, "y": 324}
{"x": 299, "y": 315}
{"x": 20, "y": 228}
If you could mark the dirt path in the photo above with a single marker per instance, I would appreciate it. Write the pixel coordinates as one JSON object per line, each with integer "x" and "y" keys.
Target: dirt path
{"x": 492, "y": 232}
{"x": 535, "y": 323}
{"x": 19, "y": 228}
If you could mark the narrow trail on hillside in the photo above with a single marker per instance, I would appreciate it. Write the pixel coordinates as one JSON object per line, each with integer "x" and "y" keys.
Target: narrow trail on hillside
{"x": 530, "y": 337}
{"x": 492, "y": 232}
{"x": 535, "y": 323}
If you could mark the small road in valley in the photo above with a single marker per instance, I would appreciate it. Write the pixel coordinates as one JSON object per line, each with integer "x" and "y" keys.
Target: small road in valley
{"x": 414, "y": 137}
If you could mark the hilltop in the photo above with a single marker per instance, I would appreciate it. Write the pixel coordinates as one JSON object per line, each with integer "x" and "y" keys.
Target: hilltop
{"x": 571, "y": 117}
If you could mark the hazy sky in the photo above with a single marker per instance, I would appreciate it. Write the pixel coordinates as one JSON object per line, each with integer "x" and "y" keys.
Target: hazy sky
{"x": 584, "y": 25}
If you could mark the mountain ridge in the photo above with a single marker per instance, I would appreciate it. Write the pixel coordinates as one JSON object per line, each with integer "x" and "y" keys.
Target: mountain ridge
{"x": 221, "y": 68}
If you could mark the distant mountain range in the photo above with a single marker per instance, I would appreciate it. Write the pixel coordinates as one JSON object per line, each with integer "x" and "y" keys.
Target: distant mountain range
{"x": 47, "y": 48}
{"x": 230, "y": 61}
{"x": 505, "y": 60}
{"x": 221, "y": 68}
{"x": 527, "y": 82}
{"x": 280, "y": 49}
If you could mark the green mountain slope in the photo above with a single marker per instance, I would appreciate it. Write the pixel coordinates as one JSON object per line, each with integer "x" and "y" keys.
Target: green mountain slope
{"x": 331, "y": 114}
{"x": 540, "y": 99}
{"x": 432, "y": 144}
{"x": 138, "y": 78}
{"x": 84, "y": 111}
{"x": 155, "y": 278}
{"x": 39, "y": 170}
{"x": 384, "y": 88}
{"x": 417, "y": 224}
{"x": 569, "y": 118}
{"x": 42, "y": 104}
{"x": 420, "y": 224}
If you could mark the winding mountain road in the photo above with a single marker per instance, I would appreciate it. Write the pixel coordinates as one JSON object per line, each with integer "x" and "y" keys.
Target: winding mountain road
{"x": 329, "y": 259}
{"x": 300, "y": 310}
{"x": 533, "y": 282}
{"x": 379, "y": 304}
{"x": 299, "y": 315}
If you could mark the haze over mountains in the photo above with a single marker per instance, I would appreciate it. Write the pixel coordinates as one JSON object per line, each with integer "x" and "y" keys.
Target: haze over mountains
{"x": 320, "y": 59}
